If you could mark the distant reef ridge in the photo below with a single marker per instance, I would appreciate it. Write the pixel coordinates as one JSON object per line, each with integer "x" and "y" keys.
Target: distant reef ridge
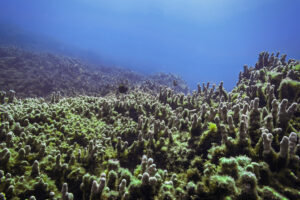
{"x": 33, "y": 74}
{"x": 143, "y": 138}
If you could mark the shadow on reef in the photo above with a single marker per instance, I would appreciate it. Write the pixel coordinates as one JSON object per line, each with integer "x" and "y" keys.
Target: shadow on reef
{"x": 142, "y": 144}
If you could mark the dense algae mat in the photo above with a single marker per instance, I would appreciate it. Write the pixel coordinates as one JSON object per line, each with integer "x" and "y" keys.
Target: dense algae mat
{"x": 212, "y": 144}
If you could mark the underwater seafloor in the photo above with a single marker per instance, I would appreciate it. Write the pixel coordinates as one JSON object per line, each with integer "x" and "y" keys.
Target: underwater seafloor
{"x": 145, "y": 139}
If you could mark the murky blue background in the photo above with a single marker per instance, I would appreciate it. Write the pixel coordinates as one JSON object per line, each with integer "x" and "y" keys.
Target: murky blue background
{"x": 199, "y": 40}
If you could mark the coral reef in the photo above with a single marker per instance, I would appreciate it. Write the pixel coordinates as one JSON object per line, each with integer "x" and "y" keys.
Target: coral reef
{"x": 153, "y": 145}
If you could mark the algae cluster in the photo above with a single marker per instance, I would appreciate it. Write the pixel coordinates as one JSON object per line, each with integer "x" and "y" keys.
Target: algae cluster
{"x": 211, "y": 144}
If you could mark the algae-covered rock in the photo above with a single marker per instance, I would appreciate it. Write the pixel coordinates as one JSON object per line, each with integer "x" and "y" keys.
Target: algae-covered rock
{"x": 289, "y": 89}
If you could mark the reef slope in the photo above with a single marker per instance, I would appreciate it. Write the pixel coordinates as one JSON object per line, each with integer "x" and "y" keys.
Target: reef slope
{"x": 211, "y": 144}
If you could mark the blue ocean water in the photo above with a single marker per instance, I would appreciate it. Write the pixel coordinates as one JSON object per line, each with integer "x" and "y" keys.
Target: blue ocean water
{"x": 199, "y": 40}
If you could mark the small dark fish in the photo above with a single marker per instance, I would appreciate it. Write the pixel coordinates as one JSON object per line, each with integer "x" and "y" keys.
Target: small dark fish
{"x": 175, "y": 83}
{"x": 123, "y": 88}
